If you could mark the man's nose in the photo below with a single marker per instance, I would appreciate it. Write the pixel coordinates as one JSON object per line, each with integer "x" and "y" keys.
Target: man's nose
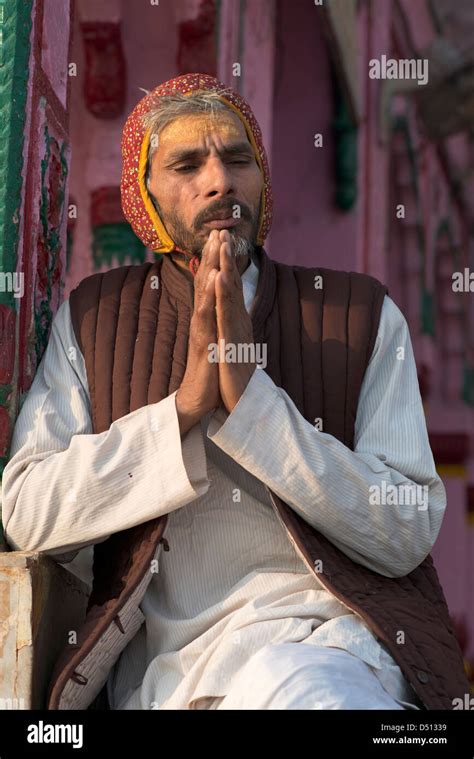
{"x": 218, "y": 179}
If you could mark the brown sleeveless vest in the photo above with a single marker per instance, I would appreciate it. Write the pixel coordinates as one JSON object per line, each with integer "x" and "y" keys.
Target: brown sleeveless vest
{"x": 131, "y": 324}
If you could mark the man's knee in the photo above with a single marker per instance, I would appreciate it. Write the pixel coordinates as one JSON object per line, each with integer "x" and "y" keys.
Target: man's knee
{"x": 274, "y": 661}
{"x": 301, "y": 676}
{"x": 270, "y": 653}
{"x": 262, "y": 680}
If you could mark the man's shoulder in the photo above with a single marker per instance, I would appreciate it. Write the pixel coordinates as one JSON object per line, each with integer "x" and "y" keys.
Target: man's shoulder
{"x": 86, "y": 298}
{"x": 95, "y": 281}
{"x": 336, "y": 281}
{"x": 340, "y": 277}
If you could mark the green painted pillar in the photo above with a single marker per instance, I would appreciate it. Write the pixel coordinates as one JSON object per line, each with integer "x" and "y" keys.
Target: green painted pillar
{"x": 15, "y": 28}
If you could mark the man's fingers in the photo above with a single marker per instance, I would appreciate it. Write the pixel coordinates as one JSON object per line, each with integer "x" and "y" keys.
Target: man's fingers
{"x": 225, "y": 261}
{"x": 209, "y": 260}
{"x": 204, "y": 324}
{"x": 228, "y": 264}
{"x": 223, "y": 301}
{"x": 210, "y": 286}
{"x": 230, "y": 277}
{"x": 207, "y": 306}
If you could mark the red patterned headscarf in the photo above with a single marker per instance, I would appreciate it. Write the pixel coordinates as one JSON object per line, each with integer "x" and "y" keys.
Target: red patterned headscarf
{"x": 136, "y": 202}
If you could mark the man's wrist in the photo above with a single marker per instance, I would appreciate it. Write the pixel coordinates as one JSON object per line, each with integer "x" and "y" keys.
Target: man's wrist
{"x": 186, "y": 418}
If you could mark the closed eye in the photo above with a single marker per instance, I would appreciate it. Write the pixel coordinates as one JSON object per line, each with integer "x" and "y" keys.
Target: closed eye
{"x": 189, "y": 166}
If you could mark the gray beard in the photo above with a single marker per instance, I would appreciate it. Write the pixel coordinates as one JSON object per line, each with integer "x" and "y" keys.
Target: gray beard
{"x": 241, "y": 245}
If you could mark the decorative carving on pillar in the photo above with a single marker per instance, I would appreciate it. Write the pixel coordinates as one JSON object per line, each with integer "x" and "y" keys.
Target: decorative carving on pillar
{"x": 446, "y": 104}
{"x": 105, "y": 83}
{"x": 71, "y": 225}
{"x": 34, "y": 158}
{"x": 54, "y": 170}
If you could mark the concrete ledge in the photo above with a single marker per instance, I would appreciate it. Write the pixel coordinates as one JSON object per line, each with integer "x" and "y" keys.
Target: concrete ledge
{"x": 41, "y": 603}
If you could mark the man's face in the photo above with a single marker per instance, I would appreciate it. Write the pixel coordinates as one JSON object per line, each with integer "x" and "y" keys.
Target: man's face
{"x": 203, "y": 166}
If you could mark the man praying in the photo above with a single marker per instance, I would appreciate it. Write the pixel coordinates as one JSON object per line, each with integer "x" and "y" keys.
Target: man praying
{"x": 240, "y": 560}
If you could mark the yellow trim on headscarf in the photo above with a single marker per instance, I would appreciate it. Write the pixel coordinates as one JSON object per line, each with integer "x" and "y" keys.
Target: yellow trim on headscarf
{"x": 167, "y": 244}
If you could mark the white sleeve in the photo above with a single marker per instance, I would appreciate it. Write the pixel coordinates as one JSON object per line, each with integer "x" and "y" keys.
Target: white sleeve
{"x": 64, "y": 487}
{"x": 348, "y": 495}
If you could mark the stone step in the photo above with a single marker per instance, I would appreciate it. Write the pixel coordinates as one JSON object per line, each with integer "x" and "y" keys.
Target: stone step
{"x": 40, "y": 603}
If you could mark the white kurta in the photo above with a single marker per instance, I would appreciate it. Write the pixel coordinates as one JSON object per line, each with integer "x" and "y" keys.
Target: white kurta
{"x": 232, "y": 582}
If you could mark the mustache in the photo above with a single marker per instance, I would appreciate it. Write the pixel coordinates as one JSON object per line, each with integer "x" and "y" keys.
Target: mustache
{"x": 228, "y": 206}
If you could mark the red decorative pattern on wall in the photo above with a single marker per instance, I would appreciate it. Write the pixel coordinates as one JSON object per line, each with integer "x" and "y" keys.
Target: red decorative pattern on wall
{"x": 106, "y": 206}
{"x": 197, "y": 44}
{"x": 105, "y": 84}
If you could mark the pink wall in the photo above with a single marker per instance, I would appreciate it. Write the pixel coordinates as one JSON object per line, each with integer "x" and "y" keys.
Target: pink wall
{"x": 307, "y": 228}
{"x": 150, "y": 52}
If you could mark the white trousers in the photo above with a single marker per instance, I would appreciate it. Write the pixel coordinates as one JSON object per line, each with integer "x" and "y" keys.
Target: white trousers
{"x": 303, "y": 676}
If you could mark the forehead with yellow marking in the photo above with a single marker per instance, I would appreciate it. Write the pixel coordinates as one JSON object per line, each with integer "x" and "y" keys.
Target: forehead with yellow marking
{"x": 193, "y": 130}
